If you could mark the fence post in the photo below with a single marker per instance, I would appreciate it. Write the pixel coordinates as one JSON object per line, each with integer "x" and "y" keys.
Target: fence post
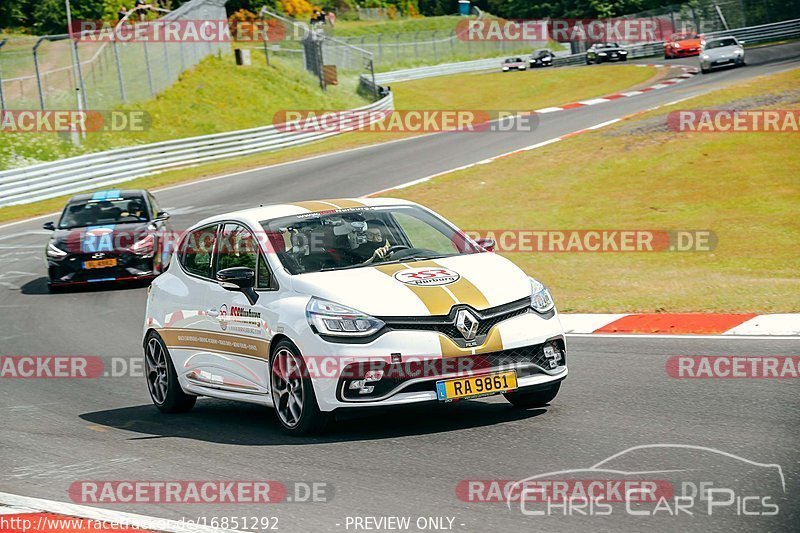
{"x": 36, "y": 70}
{"x": 416, "y": 51}
{"x": 80, "y": 74}
{"x": 2, "y": 94}
{"x": 166, "y": 63}
{"x": 147, "y": 68}
{"x": 433, "y": 39}
{"x": 119, "y": 69}
{"x": 397, "y": 47}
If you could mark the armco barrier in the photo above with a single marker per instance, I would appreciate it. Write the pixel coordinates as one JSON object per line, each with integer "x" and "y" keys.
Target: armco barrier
{"x": 75, "y": 174}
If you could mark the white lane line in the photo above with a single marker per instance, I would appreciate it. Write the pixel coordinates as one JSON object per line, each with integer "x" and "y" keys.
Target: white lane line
{"x": 604, "y": 124}
{"x": 26, "y": 504}
{"x": 685, "y": 336}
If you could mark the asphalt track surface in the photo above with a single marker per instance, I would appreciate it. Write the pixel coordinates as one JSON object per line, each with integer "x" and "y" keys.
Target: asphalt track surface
{"x": 404, "y": 462}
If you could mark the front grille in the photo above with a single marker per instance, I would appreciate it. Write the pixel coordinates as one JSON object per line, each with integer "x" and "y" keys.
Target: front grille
{"x": 445, "y": 324}
{"x": 397, "y": 374}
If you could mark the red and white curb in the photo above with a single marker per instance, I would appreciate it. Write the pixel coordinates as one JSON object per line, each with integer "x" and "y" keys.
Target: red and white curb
{"x": 730, "y": 324}
{"x": 21, "y": 514}
{"x": 688, "y": 72}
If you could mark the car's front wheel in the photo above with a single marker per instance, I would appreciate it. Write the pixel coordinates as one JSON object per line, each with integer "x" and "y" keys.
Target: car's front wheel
{"x": 162, "y": 380}
{"x": 538, "y": 398}
{"x": 293, "y": 394}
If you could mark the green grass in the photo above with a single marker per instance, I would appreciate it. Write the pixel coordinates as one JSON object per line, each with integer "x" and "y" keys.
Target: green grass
{"x": 214, "y": 97}
{"x": 357, "y": 28}
{"x": 516, "y": 90}
{"x": 637, "y": 175}
{"x": 564, "y": 85}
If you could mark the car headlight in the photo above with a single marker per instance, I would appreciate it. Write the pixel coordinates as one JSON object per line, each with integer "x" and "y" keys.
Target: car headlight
{"x": 330, "y": 318}
{"x": 676, "y": 45}
{"x": 623, "y": 51}
{"x": 704, "y": 57}
{"x": 601, "y": 54}
{"x": 541, "y": 301}
{"x": 739, "y": 51}
{"x": 143, "y": 246}
{"x": 55, "y": 252}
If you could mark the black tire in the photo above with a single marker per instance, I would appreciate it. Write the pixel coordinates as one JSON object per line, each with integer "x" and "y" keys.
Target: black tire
{"x": 162, "y": 380}
{"x": 538, "y": 398}
{"x": 624, "y": 58}
{"x": 311, "y": 420}
{"x": 704, "y": 70}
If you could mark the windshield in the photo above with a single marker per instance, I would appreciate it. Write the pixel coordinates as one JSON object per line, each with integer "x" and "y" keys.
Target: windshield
{"x": 358, "y": 237}
{"x": 85, "y": 213}
{"x": 721, "y": 43}
{"x": 683, "y": 36}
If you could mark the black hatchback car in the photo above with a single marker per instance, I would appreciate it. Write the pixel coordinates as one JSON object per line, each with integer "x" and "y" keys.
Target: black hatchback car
{"x": 541, "y": 58}
{"x": 112, "y": 235}
{"x": 602, "y": 52}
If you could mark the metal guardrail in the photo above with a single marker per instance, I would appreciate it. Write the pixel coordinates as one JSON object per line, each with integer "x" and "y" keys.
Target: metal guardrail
{"x": 75, "y": 174}
{"x": 777, "y": 31}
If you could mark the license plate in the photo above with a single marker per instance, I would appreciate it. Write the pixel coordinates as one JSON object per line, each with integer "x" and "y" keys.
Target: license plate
{"x": 475, "y": 386}
{"x": 100, "y": 263}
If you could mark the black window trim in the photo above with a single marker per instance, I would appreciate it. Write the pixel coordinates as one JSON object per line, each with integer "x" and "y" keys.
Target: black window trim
{"x": 213, "y": 252}
{"x": 273, "y": 282}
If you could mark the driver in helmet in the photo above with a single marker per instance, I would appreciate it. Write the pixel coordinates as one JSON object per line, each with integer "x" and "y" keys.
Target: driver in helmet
{"x": 376, "y": 245}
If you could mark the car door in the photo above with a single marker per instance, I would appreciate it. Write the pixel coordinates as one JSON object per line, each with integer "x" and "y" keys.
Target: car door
{"x": 245, "y": 328}
{"x": 185, "y": 321}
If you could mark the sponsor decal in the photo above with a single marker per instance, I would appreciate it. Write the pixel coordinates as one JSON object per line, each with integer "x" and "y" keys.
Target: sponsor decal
{"x": 222, "y": 318}
{"x": 98, "y": 239}
{"x": 427, "y": 277}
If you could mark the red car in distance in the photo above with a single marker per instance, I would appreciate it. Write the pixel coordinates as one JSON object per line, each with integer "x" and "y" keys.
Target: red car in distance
{"x": 683, "y": 45}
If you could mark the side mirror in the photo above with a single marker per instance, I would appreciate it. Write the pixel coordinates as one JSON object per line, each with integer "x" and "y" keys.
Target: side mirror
{"x": 486, "y": 244}
{"x": 742, "y": 42}
{"x": 240, "y": 279}
{"x": 163, "y": 215}
{"x": 49, "y": 226}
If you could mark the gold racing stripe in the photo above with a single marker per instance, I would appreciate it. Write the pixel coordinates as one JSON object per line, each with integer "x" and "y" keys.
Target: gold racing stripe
{"x": 463, "y": 289}
{"x": 440, "y": 301}
{"x": 328, "y": 205}
{"x": 315, "y": 206}
{"x": 436, "y": 299}
{"x": 195, "y": 339}
{"x": 345, "y": 203}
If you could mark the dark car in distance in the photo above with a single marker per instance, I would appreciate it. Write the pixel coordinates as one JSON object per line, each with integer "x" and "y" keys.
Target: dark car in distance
{"x": 112, "y": 235}
{"x": 602, "y": 52}
{"x": 541, "y": 58}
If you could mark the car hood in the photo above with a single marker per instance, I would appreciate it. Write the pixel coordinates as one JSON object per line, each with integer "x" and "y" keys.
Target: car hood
{"x": 100, "y": 238}
{"x": 421, "y": 288}
{"x": 718, "y": 52}
{"x": 688, "y": 43}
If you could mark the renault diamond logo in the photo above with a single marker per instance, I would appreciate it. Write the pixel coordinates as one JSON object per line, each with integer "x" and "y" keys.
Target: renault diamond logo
{"x": 467, "y": 324}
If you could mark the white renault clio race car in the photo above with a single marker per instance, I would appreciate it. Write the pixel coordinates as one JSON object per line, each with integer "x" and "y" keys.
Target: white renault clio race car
{"x": 318, "y": 306}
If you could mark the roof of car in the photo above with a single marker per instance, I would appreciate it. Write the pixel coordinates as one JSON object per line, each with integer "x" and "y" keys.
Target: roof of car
{"x": 268, "y": 212}
{"x": 109, "y": 194}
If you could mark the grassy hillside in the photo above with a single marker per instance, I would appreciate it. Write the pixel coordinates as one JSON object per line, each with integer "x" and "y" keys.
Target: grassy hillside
{"x": 641, "y": 175}
{"x": 214, "y": 97}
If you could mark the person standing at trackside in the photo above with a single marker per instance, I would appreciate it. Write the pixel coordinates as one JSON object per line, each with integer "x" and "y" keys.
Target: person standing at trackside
{"x": 142, "y": 7}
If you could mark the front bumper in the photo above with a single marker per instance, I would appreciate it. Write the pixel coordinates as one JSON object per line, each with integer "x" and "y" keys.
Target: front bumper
{"x": 413, "y": 361}
{"x": 71, "y": 271}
